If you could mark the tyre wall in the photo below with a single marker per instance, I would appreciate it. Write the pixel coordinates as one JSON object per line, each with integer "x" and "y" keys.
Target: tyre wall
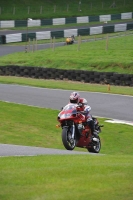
{"x": 73, "y": 75}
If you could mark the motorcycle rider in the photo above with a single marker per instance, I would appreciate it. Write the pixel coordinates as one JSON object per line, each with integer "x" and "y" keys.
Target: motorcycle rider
{"x": 85, "y": 109}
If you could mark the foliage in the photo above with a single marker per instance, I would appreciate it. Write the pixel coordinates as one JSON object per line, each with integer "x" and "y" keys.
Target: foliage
{"x": 60, "y": 8}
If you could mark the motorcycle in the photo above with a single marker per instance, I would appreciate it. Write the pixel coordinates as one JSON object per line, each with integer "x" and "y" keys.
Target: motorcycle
{"x": 76, "y": 131}
{"x": 70, "y": 40}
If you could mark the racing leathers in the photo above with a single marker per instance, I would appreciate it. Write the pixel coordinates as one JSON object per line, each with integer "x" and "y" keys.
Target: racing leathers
{"x": 86, "y": 111}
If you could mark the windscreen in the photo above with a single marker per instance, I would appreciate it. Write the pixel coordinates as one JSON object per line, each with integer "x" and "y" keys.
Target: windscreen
{"x": 68, "y": 111}
{"x": 71, "y": 107}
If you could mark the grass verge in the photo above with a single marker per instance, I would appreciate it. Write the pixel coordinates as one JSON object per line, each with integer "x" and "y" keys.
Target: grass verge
{"x": 92, "y": 56}
{"x": 66, "y": 177}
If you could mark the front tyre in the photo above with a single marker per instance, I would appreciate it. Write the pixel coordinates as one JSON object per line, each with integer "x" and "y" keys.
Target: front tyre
{"x": 68, "y": 141}
{"x": 96, "y": 146}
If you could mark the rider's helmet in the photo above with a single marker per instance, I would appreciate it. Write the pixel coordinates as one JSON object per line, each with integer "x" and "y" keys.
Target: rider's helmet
{"x": 74, "y": 97}
{"x": 83, "y": 102}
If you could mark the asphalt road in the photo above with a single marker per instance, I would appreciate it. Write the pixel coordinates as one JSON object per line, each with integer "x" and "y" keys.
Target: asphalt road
{"x": 104, "y": 105}
{"x": 18, "y": 150}
{"x": 9, "y": 49}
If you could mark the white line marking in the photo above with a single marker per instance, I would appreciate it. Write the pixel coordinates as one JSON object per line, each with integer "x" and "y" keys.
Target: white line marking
{"x": 117, "y": 121}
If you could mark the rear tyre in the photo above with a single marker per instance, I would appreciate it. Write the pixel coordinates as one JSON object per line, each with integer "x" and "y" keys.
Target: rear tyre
{"x": 96, "y": 146}
{"x": 67, "y": 140}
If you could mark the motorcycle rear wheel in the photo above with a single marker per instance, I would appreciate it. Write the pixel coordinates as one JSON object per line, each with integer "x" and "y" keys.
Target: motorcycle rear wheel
{"x": 68, "y": 142}
{"x": 95, "y": 148}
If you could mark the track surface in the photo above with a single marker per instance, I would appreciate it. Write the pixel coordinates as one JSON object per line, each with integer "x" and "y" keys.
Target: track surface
{"x": 104, "y": 105}
{"x": 17, "y": 150}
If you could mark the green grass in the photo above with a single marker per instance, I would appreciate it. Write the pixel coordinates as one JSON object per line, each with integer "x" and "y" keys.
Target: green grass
{"x": 66, "y": 177}
{"x": 62, "y": 177}
{"x": 91, "y": 56}
{"x": 62, "y": 10}
{"x": 28, "y": 126}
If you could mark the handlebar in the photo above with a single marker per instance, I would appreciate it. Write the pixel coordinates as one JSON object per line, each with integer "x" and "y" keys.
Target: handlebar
{"x": 82, "y": 112}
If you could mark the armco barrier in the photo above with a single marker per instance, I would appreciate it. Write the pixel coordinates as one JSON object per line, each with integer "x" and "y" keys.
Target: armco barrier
{"x": 60, "y": 21}
{"x": 73, "y": 75}
{"x": 22, "y": 37}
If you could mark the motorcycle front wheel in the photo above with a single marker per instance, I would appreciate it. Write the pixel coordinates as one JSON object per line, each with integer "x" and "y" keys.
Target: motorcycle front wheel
{"x": 96, "y": 146}
{"x": 68, "y": 141}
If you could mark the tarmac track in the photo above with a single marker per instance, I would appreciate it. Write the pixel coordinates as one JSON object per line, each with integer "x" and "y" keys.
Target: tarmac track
{"x": 18, "y": 150}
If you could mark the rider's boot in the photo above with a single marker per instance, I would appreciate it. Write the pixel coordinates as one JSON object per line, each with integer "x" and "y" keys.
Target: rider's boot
{"x": 93, "y": 131}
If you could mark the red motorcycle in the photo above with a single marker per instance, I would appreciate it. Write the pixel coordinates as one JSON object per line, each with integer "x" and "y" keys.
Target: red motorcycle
{"x": 75, "y": 130}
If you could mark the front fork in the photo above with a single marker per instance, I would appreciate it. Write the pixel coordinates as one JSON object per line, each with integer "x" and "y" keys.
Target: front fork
{"x": 73, "y": 131}
{"x": 71, "y": 136}
{"x": 70, "y": 132}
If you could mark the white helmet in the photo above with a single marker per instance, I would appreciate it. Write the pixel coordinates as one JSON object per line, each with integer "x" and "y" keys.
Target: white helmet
{"x": 74, "y": 97}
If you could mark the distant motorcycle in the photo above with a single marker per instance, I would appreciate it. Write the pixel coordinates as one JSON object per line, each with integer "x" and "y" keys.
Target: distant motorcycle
{"x": 70, "y": 40}
{"x": 75, "y": 130}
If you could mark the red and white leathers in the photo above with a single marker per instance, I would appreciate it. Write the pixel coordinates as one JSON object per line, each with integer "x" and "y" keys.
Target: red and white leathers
{"x": 85, "y": 108}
